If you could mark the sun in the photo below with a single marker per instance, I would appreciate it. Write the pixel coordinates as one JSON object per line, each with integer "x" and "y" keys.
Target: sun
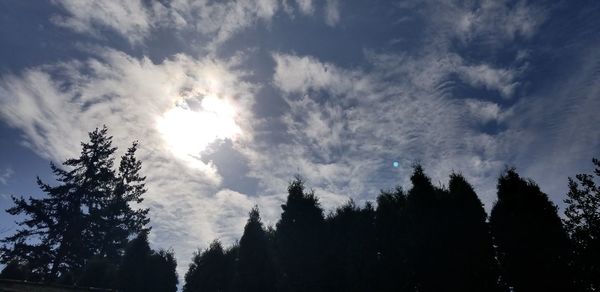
{"x": 188, "y": 131}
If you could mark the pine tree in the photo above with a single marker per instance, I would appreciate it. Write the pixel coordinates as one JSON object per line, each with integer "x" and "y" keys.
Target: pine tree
{"x": 532, "y": 245}
{"x": 86, "y": 215}
{"x": 211, "y": 270}
{"x": 351, "y": 260}
{"x": 255, "y": 264}
{"x": 583, "y": 224}
{"x": 299, "y": 240}
{"x": 144, "y": 270}
{"x": 471, "y": 263}
{"x": 391, "y": 226}
{"x": 120, "y": 221}
{"x": 427, "y": 232}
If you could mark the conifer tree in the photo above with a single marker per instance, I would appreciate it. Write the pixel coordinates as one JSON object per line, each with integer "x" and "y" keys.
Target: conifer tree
{"x": 351, "y": 260}
{"x": 471, "y": 263}
{"x": 299, "y": 240}
{"x": 144, "y": 270}
{"x": 583, "y": 224}
{"x": 427, "y": 233}
{"x": 255, "y": 264}
{"x": 211, "y": 270}
{"x": 532, "y": 245}
{"x": 86, "y": 215}
{"x": 391, "y": 223}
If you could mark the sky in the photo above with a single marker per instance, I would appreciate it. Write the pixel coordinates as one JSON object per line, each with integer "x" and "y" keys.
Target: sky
{"x": 230, "y": 100}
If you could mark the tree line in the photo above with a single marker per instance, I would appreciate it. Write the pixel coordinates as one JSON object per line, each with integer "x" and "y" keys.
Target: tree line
{"x": 90, "y": 231}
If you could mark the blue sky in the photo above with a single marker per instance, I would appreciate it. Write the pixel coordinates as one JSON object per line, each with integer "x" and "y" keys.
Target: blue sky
{"x": 231, "y": 99}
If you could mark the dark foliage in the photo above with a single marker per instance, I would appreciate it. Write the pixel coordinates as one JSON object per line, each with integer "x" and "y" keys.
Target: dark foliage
{"x": 211, "y": 270}
{"x": 143, "y": 269}
{"x": 583, "y": 224}
{"x": 87, "y": 215}
{"x": 532, "y": 245}
{"x": 299, "y": 241}
{"x": 256, "y": 271}
{"x": 84, "y": 231}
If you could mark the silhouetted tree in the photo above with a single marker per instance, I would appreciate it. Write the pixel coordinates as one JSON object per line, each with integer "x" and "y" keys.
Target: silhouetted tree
{"x": 15, "y": 271}
{"x": 428, "y": 234}
{"x": 142, "y": 269}
{"x": 351, "y": 261}
{"x": 583, "y": 224}
{"x": 118, "y": 219}
{"x": 99, "y": 273}
{"x": 211, "y": 270}
{"x": 163, "y": 271}
{"x": 391, "y": 222}
{"x": 532, "y": 245}
{"x": 255, "y": 264}
{"x": 299, "y": 240}
{"x": 86, "y": 215}
{"x": 471, "y": 260}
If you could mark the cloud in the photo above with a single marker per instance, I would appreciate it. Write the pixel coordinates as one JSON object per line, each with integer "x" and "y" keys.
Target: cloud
{"x": 306, "y": 6}
{"x": 332, "y": 12}
{"x": 56, "y": 105}
{"x": 490, "y": 78}
{"x": 346, "y": 126}
{"x": 5, "y": 175}
{"x": 130, "y": 19}
{"x": 136, "y": 20}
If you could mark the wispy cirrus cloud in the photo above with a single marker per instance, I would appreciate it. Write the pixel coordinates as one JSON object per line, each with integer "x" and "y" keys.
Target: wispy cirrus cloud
{"x": 56, "y": 105}
{"x": 5, "y": 175}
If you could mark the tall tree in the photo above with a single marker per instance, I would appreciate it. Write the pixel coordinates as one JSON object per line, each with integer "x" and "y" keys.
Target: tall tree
{"x": 143, "y": 269}
{"x": 583, "y": 224}
{"x": 255, "y": 263}
{"x": 427, "y": 232}
{"x": 87, "y": 214}
{"x": 299, "y": 240}
{"x": 351, "y": 260}
{"x": 532, "y": 245}
{"x": 472, "y": 264}
{"x": 391, "y": 225}
{"x": 119, "y": 220}
{"x": 211, "y": 270}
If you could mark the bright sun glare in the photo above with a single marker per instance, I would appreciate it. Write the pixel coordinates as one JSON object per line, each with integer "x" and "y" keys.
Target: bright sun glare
{"x": 187, "y": 131}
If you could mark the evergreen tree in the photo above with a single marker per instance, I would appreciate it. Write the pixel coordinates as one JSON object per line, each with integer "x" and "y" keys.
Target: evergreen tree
{"x": 144, "y": 270}
{"x": 120, "y": 221}
{"x": 255, "y": 264}
{"x": 99, "y": 273}
{"x": 352, "y": 251}
{"x": 299, "y": 240}
{"x": 87, "y": 214}
{"x": 163, "y": 271}
{"x": 15, "y": 271}
{"x": 471, "y": 263}
{"x": 532, "y": 245}
{"x": 428, "y": 233}
{"x": 391, "y": 236}
{"x": 583, "y": 224}
{"x": 211, "y": 270}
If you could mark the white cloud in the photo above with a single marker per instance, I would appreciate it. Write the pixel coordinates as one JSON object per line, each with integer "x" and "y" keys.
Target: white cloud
{"x": 396, "y": 111}
{"x": 483, "y": 110}
{"x": 502, "y": 80}
{"x": 306, "y": 6}
{"x": 332, "y": 12}
{"x": 136, "y": 20}
{"x": 130, "y": 18}
{"x": 5, "y": 175}
{"x": 56, "y": 105}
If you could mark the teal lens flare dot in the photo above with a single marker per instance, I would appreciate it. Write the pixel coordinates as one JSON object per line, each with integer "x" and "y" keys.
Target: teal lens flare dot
{"x": 396, "y": 164}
